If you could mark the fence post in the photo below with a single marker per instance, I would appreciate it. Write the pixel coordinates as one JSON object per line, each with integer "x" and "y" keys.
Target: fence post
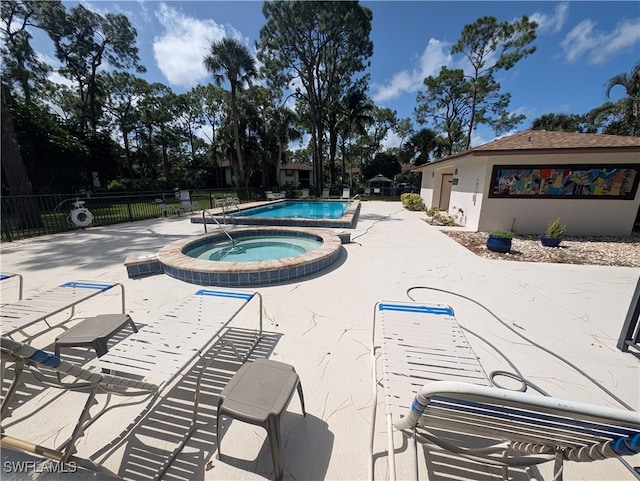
{"x": 630, "y": 334}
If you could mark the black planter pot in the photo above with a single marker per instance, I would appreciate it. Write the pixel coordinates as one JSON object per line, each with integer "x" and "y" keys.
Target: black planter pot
{"x": 498, "y": 244}
{"x": 550, "y": 241}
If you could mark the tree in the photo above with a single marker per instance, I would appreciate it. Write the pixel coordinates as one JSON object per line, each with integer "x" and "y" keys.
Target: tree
{"x": 319, "y": 46}
{"x": 228, "y": 58}
{"x": 122, "y": 90}
{"x": 383, "y": 163}
{"x": 562, "y": 123}
{"x": 20, "y": 62}
{"x": 14, "y": 169}
{"x": 424, "y": 144}
{"x": 446, "y": 102}
{"x": 84, "y": 40}
{"x": 356, "y": 114}
{"x": 630, "y": 104}
{"x": 490, "y": 46}
{"x": 282, "y": 121}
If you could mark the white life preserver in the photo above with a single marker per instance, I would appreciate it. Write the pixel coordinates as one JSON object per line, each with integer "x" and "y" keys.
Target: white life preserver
{"x": 81, "y": 217}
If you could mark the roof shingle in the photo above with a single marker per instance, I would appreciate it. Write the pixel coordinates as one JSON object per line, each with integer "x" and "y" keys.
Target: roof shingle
{"x": 542, "y": 139}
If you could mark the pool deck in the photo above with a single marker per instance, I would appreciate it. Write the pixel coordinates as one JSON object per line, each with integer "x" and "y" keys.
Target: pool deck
{"x": 322, "y": 325}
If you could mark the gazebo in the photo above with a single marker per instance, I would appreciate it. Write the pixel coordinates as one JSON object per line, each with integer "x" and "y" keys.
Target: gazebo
{"x": 378, "y": 182}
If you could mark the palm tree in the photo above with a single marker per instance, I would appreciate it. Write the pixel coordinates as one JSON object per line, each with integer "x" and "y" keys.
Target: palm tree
{"x": 424, "y": 143}
{"x": 355, "y": 116}
{"x": 631, "y": 104}
{"x": 229, "y": 58}
{"x": 282, "y": 124}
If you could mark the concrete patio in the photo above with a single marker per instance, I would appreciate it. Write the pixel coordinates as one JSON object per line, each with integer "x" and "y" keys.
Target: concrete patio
{"x": 322, "y": 326}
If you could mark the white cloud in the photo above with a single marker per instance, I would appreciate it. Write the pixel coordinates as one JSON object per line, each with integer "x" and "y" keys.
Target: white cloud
{"x": 597, "y": 46}
{"x": 435, "y": 55}
{"x": 391, "y": 140}
{"x": 180, "y": 50}
{"x": 551, "y": 23}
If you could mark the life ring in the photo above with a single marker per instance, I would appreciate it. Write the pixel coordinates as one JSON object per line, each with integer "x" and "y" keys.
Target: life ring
{"x": 81, "y": 217}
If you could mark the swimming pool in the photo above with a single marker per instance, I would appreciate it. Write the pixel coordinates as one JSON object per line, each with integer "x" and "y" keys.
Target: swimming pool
{"x": 295, "y": 209}
{"x": 300, "y": 213}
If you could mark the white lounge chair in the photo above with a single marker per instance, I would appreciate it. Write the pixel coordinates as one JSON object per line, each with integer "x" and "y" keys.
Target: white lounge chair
{"x": 325, "y": 193}
{"x": 7, "y": 276}
{"x": 187, "y": 205}
{"x": 436, "y": 392}
{"x": 346, "y": 193}
{"x": 166, "y": 208}
{"x": 305, "y": 194}
{"x": 146, "y": 362}
{"x": 20, "y": 316}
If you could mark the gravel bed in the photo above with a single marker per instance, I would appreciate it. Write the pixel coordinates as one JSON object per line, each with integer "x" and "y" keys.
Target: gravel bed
{"x": 603, "y": 251}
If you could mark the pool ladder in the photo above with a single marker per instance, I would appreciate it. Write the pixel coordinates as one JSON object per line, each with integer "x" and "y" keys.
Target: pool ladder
{"x": 233, "y": 241}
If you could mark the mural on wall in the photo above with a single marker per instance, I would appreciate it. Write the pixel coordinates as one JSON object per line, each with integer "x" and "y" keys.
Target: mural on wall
{"x": 566, "y": 181}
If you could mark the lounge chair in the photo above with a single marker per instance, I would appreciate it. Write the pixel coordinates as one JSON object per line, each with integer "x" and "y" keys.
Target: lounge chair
{"x": 17, "y": 317}
{"x": 165, "y": 208}
{"x": 146, "y": 362}
{"x": 305, "y": 194}
{"x": 7, "y": 276}
{"x": 436, "y": 392}
{"x": 187, "y": 205}
{"x": 230, "y": 199}
{"x": 346, "y": 193}
{"x": 325, "y": 193}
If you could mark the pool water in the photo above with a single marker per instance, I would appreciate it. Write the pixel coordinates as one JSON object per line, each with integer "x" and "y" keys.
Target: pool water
{"x": 253, "y": 249}
{"x": 292, "y": 209}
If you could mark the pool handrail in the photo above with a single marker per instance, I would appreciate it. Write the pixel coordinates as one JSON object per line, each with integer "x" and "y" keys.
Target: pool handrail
{"x": 233, "y": 241}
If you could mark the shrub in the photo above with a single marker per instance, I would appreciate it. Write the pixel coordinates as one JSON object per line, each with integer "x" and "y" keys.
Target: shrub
{"x": 555, "y": 228}
{"x": 412, "y": 201}
{"x": 432, "y": 211}
{"x": 502, "y": 234}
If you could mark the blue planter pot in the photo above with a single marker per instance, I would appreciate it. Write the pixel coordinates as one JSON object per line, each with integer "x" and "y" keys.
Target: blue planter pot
{"x": 550, "y": 241}
{"x": 499, "y": 244}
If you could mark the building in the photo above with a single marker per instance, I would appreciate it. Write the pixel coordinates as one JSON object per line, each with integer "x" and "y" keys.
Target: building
{"x": 522, "y": 181}
{"x": 296, "y": 175}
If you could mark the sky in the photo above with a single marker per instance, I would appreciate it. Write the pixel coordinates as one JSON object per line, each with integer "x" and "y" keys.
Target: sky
{"x": 580, "y": 46}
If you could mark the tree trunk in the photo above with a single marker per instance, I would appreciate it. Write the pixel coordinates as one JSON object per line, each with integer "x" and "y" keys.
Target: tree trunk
{"x": 25, "y": 208}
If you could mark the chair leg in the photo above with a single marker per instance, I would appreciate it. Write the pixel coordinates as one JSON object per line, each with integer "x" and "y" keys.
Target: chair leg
{"x": 218, "y": 421}
{"x": 100, "y": 346}
{"x": 304, "y": 413}
{"x": 273, "y": 432}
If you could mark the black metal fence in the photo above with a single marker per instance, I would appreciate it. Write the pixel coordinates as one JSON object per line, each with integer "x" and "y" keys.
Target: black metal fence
{"x": 30, "y": 216}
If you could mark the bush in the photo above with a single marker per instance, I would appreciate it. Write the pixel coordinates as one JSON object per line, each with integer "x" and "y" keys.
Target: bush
{"x": 432, "y": 211}
{"x": 555, "y": 228}
{"x": 412, "y": 201}
{"x": 502, "y": 234}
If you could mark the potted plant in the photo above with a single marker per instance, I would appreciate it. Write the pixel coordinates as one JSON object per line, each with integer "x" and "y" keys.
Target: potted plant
{"x": 553, "y": 235}
{"x": 500, "y": 240}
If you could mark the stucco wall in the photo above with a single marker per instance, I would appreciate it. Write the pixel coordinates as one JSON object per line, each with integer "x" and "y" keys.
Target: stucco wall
{"x": 527, "y": 215}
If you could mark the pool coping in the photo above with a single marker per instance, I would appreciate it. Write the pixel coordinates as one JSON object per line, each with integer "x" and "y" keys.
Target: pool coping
{"x": 348, "y": 220}
{"x": 243, "y": 274}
